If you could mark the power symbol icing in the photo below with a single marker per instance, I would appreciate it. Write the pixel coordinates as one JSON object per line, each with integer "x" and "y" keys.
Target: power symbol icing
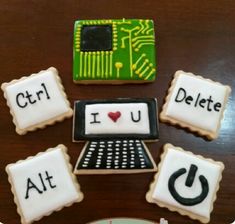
{"x": 189, "y": 182}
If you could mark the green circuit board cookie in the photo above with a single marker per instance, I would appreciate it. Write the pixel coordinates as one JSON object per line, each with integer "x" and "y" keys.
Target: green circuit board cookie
{"x": 114, "y": 51}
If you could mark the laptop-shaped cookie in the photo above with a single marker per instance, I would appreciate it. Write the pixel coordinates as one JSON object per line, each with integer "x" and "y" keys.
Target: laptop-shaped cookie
{"x": 115, "y": 131}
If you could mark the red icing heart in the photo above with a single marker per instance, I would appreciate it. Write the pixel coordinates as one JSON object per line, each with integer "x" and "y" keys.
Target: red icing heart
{"x": 114, "y": 115}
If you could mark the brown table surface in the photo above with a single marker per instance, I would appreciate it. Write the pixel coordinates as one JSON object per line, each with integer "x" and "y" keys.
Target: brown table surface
{"x": 196, "y": 36}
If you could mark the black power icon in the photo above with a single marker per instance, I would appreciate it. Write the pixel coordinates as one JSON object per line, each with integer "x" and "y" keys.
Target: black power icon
{"x": 189, "y": 182}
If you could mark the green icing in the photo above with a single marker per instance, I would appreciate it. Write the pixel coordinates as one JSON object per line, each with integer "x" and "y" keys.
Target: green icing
{"x": 132, "y": 56}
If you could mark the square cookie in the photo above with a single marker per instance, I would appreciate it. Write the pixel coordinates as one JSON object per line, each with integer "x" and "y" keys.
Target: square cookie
{"x": 115, "y": 51}
{"x": 186, "y": 183}
{"x": 195, "y": 103}
{"x": 37, "y": 100}
{"x": 43, "y": 184}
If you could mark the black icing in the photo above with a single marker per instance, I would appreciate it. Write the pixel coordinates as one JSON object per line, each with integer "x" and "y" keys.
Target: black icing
{"x": 191, "y": 175}
{"x": 31, "y": 185}
{"x": 40, "y": 188}
{"x": 44, "y": 87}
{"x": 18, "y": 96}
{"x": 25, "y": 98}
{"x": 96, "y": 38}
{"x": 43, "y": 185}
{"x": 115, "y": 154}
{"x": 138, "y": 117}
{"x": 95, "y": 118}
{"x": 48, "y": 178}
{"x": 208, "y": 103}
{"x": 79, "y": 120}
{"x": 188, "y": 201}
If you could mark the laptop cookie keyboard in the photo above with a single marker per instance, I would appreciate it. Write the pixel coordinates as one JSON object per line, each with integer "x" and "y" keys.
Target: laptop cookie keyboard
{"x": 115, "y": 154}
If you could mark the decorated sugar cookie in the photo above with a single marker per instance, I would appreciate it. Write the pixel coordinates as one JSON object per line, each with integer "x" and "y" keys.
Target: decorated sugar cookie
{"x": 186, "y": 183}
{"x": 114, "y": 51}
{"x": 37, "y": 100}
{"x": 43, "y": 184}
{"x": 115, "y": 131}
{"x": 195, "y": 103}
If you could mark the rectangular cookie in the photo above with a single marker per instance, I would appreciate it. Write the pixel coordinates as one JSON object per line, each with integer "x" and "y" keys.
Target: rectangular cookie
{"x": 115, "y": 131}
{"x": 37, "y": 100}
{"x": 195, "y": 103}
{"x": 114, "y": 51}
{"x": 120, "y": 118}
{"x": 186, "y": 183}
{"x": 43, "y": 184}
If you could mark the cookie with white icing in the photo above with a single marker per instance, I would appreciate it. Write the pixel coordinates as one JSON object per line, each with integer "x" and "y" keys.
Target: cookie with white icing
{"x": 195, "y": 103}
{"x": 43, "y": 184}
{"x": 37, "y": 100}
{"x": 115, "y": 130}
{"x": 186, "y": 183}
{"x": 120, "y": 118}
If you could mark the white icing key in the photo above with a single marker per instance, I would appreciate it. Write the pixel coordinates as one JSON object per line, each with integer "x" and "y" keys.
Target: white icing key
{"x": 37, "y": 100}
{"x": 196, "y": 103}
{"x": 43, "y": 184}
{"x": 186, "y": 183}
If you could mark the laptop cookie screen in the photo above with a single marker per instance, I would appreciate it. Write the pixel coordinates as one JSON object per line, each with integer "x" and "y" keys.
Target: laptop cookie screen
{"x": 119, "y": 118}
